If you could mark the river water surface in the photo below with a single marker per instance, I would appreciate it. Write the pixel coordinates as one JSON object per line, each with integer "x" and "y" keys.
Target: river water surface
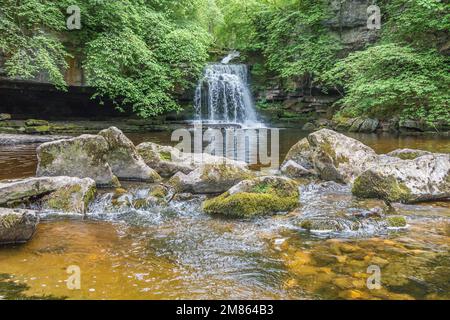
{"x": 177, "y": 252}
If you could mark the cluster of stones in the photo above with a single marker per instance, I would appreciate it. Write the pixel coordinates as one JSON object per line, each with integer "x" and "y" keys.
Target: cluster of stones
{"x": 70, "y": 170}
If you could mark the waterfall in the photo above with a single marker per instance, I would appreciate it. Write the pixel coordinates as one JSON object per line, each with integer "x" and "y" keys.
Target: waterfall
{"x": 223, "y": 94}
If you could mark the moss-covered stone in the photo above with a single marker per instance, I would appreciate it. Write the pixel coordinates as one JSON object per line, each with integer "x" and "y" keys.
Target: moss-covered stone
{"x": 255, "y": 197}
{"x": 386, "y": 188}
{"x": 36, "y": 123}
{"x": 37, "y": 129}
{"x": 396, "y": 221}
{"x": 164, "y": 155}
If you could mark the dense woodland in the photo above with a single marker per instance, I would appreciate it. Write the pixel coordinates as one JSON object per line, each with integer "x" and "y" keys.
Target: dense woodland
{"x": 143, "y": 52}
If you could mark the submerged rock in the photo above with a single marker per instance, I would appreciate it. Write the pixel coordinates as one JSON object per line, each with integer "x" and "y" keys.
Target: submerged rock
{"x": 84, "y": 157}
{"x": 422, "y": 179}
{"x": 255, "y": 197}
{"x": 408, "y": 154}
{"x": 17, "y": 225}
{"x": 124, "y": 159}
{"x": 65, "y": 194}
{"x": 210, "y": 178}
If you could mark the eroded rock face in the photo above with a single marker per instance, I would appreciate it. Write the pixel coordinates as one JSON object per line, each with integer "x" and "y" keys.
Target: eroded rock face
{"x": 210, "y": 178}
{"x": 408, "y": 154}
{"x": 64, "y": 194}
{"x": 124, "y": 159}
{"x": 256, "y": 197}
{"x": 422, "y": 179}
{"x": 17, "y": 225}
{"x": 84, "y": 157}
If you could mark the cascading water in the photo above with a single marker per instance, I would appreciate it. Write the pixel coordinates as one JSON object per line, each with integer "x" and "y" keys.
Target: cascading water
{"x": 223, "y": 94}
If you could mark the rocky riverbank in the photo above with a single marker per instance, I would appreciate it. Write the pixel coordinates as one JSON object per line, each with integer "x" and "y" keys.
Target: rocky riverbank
{"x": 70, "y": 171}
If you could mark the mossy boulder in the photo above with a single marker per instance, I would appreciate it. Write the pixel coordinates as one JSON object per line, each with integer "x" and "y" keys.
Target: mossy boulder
{"x": 339, "y": 158}
{"x": 331, "y": 156}
{"x": 163, "y": 159}
{"x": 63, "y": 194}
{"x": 256, "y": 197}
{"x": 17, "y": 225}
{"x": 36, "y": 123}
{"x": 124, "y": 159}
{"x": 408, "y": 154}
{"x": 396, "y": 221}
{"x": 84, "y": 157}
{"x": 73, "y": 198}
{"x": 168, "y": 161}
{"x": 5, "y": 116}
{"x": 37, "y": 129}
{"x": 210, "y": 178}
{"x": 425, "y": 178}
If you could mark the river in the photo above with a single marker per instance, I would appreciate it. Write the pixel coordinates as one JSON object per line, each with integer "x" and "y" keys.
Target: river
{"x": 178, "y": 252}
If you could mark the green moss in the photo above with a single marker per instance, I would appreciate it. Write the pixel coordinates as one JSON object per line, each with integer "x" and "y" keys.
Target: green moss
{"x": 140, "y": 203}
{"x": 46, "y": 158}
{"x": 396, "y": 221}
{"x": 38, "y": 129}
{"x": 306, "y": 224}
{"x": 164, "y": 155}
{"x": 9, "y": 220}
{"x": 247, "y": 205}
{"x": 159, "y": 192}
{"x": 63, "y": 199}
{"x": 370, "y": 185}
{"x": 89, "y": 196}
{"x": 36, "y": 123}
{"x": 225, "y": 172}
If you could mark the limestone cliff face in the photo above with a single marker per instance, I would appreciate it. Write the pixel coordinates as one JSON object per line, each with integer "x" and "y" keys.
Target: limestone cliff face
{"x": 348, "y": 23}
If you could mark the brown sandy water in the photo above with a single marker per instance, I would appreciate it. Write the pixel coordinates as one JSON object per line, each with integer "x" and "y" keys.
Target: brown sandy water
{"x": 180, "y": 253}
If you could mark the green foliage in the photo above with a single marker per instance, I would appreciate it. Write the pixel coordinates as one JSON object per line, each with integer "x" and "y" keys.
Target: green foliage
{"x": 136, "y": 52}
{"x": 404, "y": 74}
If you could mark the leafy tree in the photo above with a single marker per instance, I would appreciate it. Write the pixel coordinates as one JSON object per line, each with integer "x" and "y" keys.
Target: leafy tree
{"x": 389, "y": 79}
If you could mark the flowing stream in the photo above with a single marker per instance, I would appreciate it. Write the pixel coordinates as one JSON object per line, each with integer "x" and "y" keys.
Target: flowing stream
{"x": 178, "y": 252}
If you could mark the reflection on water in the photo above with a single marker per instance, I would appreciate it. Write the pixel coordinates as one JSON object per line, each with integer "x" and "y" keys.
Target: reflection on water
{"x": 177, "y": 252}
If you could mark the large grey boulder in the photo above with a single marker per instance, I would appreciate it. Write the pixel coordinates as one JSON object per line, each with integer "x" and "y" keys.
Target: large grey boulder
{"x": 168, "y": 161}
{"x": 163, "y": 159}
{"x": 84, "y": 157}
{"x": 422, "y": 179}
{"x": 332, "y": 156}
{"x": 210, "y": 178}
{"x": 124, "y": 159}
{"x": 63, "y": 194}
{"x": 17, "y": 225}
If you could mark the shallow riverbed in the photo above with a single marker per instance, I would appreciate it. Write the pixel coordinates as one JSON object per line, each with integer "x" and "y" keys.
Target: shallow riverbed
{"x": 177, "y": 252}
